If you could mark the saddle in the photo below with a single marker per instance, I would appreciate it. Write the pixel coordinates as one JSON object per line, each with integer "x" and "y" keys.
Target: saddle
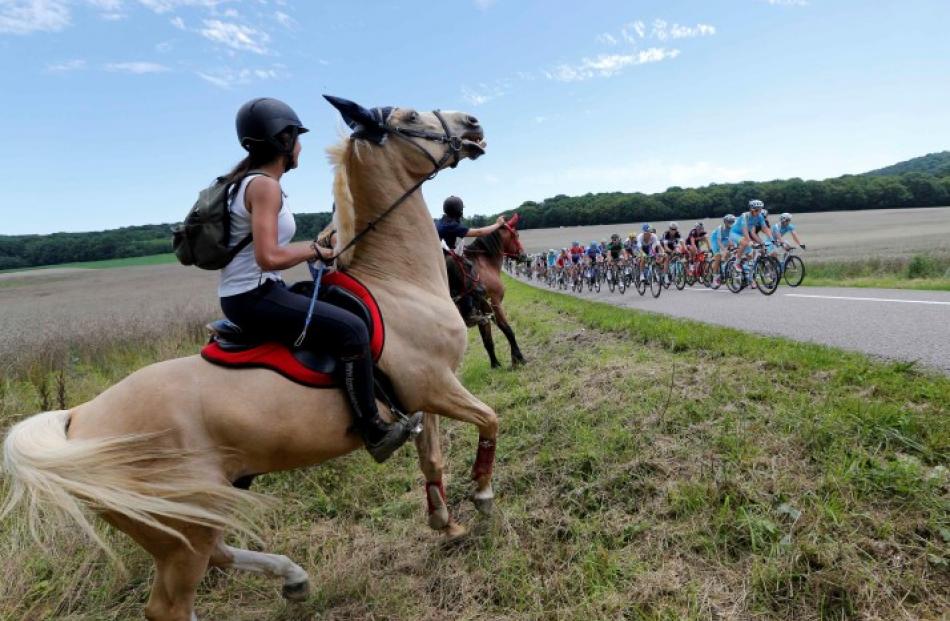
{"x": 230, "y": 346}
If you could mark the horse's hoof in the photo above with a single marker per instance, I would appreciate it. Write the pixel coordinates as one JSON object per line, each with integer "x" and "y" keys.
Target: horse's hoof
{"x": 296, "y": 591}
{"x": 485, "y": 506}
{"x": 454, "y": 530}
{"x": 439, "y": 519}
{"x": 518, "y": 362}
{"x": 496, "y": 365}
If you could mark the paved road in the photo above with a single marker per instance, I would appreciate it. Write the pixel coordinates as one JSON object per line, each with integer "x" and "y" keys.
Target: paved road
{"x": 887, "y": 323}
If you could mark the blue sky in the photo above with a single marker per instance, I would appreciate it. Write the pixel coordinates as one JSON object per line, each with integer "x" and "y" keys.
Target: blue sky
{"x": 116, "y": 112}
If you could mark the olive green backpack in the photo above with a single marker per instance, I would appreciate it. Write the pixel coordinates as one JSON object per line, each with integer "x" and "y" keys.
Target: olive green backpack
{"x": 203, "y": 238}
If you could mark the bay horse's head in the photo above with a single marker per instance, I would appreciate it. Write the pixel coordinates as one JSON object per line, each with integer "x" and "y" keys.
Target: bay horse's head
{"x": 511, "y": 244}
{"x": 425, "y": 142}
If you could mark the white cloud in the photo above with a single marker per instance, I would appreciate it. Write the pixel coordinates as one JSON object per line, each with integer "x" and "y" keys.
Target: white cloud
{"x": 229, "y": 77}
{"x": 633, "y": 31}
{"x": 136, "y": 67}
{"x": 607, "y": 39}
{"x": 484, "y": 5}
{"x": 177, "y": 22}
{"x": 285, "y": 20}
{"x": 26, "y": 16}
{"x": 75, "y": 64}
{"x": 606, "y": 65}
{"x": 109, "y": 6}
{"x": 236, "y": 36}
{"x": 663, "y": 31}
{"x": 482, "y": 94}
{"x": 164, "y": 6}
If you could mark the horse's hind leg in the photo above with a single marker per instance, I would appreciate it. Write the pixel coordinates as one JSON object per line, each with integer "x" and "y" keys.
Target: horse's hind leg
{"x": 484, "y": 329}
{"x": 502, "y": 320}
{"x": 429, "y": 447}
{"x": 296, "y": 582}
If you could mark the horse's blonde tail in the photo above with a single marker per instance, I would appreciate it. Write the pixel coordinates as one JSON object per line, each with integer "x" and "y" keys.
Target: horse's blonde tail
{"x": 59, "y": 480}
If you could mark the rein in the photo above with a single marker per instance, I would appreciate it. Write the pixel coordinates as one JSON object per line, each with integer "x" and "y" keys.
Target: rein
{"x": 455, "y": 147}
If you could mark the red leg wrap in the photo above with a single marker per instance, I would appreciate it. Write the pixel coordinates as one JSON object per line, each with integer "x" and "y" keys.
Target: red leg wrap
{"x": 440, "y": 487}
{"x": 484, "y": 458}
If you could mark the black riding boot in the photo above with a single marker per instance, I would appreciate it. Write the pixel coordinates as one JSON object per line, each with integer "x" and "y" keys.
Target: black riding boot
{"x": 381, "y": 438}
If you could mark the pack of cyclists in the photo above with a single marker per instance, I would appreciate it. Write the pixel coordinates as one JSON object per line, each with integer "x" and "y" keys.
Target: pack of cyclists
{"x": 736, "y": 239}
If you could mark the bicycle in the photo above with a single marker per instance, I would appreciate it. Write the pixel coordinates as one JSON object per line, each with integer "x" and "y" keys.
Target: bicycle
{"x": 763, "y": 271}
{"x": 792, "y": 268}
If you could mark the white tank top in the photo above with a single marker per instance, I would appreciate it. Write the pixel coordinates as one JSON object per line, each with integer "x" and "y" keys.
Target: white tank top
{"x": 243, "y": 273}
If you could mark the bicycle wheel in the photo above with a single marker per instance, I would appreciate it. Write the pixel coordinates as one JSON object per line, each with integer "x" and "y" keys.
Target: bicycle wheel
{"x": 733, "y": 276}
{"x": 679, "y": 275}
{"x": 611, "y": 283}
{"x": 640, "y": 278}
{"x": 766, "y": 275}
{"x": 621, "y": 283}
{"x": 657, "y": 282}
{"x": 794, "y": 271}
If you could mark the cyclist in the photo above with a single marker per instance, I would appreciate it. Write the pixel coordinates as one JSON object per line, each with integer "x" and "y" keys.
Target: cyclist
{"x": 630, "y": 245}
{"x": 592, "y": 251}
{"x": 696, "y": 237}
{"x": 614, "y": 248}
{"x": 576, "y": 251}
{"x": 672, "y": 240}
{"x": 721, "y": 243}
{"x": 745, "y": 230}
{"x": 552, "y": 258}
{"x": 783, "y": 228}
{"x": 648, "y": 245}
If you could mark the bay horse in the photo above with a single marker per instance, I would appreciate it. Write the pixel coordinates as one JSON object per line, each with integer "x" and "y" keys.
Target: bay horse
{"x": 157, "y": 454}
{"x": 488, "y": 254}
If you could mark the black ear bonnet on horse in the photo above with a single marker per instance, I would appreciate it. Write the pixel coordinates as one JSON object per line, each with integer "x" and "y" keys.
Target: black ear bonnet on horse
{"x": 366, "y": 124}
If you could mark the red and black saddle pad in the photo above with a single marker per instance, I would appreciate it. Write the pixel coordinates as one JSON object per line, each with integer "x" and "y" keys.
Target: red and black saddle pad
{"x": 313, "y": 370}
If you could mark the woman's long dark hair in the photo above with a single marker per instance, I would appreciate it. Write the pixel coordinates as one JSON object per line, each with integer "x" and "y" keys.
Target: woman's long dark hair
{"x": 262, "y": 154}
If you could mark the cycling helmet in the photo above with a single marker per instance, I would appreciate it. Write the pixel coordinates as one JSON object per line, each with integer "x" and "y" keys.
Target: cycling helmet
{"x": 593, "y": 243}
{"x": 699, "y": 225}
{"x": 261, "y": 120}
{"x": 631, "y": 234}
{"x": 785, "y": 217}
{"x": 575, "y": 243}
{"x": 765, "y": 213}
{"x": 614, "y": 236}
{"x": 756, "y": 204}
{"x": 729, "y": 218}
{"x": 674, "y": 226}
{"x": 645, "y": 228}
{"x": 653, "y": 230}
{"x": 453, "y": 206}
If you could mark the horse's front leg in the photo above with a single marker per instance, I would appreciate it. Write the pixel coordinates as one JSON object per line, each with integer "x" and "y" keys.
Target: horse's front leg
{"x": 429, "y": 447}
{"x": 485, "y": 330}
{"x": 517, "y": 358}
{"x": 451, "y": 399}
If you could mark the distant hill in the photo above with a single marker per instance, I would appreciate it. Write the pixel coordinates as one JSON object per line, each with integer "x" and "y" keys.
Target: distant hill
{"x": 930, "y": 164}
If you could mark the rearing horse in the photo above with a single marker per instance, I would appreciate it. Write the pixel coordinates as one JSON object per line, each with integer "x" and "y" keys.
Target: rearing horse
{"x": 488, "y": 253}
{"x": 156, "y": 454}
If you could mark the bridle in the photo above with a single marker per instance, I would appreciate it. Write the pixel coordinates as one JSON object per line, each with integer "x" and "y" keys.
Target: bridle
{"x": 454, "y": 150}
{"x": 514, "y": 235}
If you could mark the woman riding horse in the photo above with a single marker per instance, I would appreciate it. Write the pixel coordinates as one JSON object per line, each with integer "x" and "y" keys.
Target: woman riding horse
{"x": 254, "y": 296}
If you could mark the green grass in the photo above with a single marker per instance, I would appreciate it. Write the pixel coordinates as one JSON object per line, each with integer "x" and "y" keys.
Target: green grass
{"x": 154, "y": 259}
{"x": 922, "y": 271}
{"x": 648, "y": 468}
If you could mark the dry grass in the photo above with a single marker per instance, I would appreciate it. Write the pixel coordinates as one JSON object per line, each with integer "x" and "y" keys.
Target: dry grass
{"x": 648, "y": 468}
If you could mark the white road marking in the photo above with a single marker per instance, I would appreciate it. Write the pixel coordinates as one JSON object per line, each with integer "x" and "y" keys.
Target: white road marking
{"x": 842, "y": 297}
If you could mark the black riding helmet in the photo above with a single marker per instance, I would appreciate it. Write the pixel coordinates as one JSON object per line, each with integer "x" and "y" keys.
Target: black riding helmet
{"x": 453, "y": 207}
{"x": 261, "y": 120}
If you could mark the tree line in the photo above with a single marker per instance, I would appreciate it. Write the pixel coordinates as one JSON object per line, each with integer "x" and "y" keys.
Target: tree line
{"x": 873, "y": 190}
{"x": 850, "y": 192}
{"x": 18, "y": 251}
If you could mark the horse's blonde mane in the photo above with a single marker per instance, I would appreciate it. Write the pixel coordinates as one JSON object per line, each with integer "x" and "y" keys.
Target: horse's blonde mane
{"x": 344, "y": 216}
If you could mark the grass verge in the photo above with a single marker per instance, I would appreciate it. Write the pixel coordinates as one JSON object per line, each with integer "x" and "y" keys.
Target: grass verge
{"x": 922, "y": 271}
{"x": 648, "y": 468}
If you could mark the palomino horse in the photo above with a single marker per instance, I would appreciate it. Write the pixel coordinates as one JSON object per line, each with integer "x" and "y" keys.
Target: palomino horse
{"x": 156, "y": 454}
{"x": 488, "y": 253}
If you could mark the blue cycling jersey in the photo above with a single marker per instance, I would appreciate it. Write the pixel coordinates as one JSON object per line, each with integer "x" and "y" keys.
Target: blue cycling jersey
{"x": 552, "y": 259}
{"x": 778, "y": 229}
{"x": 721, "y": 233}
{"x": 749, "y": 222}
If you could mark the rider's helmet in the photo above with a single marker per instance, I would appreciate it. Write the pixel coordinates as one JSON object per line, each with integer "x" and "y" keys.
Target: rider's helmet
{"x": 260, "y": 121}
{"x": 674, "y": 226}
{"x": 631, "y": 234}
{"x": 575, "y": 243}
{"x": 729, "y": 219}
{"x": 453, "y": 206}
{"x": 614, "y": 237}
{"x": 593, "y": 243}
{"x": 699, "y": 225}
{"x": 785, "y": 217}
{"x": 653, "y": 230}
{"x": 756, "y": 204}
{"x": 765, "y": 213}
{"x": 645, "y": 228}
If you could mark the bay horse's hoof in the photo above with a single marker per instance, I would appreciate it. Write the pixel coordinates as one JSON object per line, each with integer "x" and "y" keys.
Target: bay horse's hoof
{"x": 296, "y": 592}
{"x": 439, "y": 519}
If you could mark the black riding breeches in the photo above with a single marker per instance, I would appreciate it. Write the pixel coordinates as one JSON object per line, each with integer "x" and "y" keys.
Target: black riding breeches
{"x": 273, "y": 311}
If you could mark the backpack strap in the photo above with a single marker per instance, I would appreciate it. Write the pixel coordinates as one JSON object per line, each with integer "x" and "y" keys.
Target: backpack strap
{"x": 241, "y": 245}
